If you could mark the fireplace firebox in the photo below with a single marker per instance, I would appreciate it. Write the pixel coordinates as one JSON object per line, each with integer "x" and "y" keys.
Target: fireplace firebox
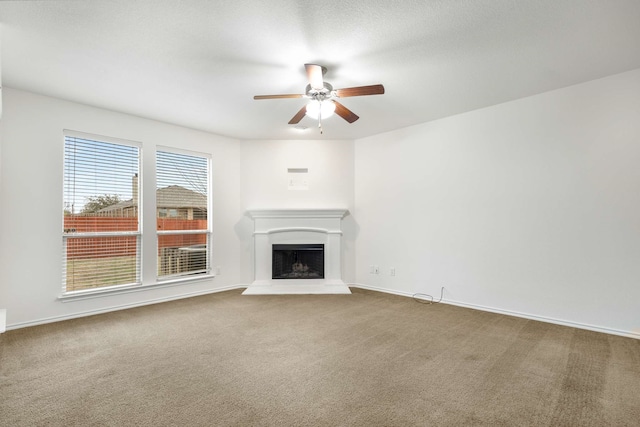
{"x": 299, "y": 261}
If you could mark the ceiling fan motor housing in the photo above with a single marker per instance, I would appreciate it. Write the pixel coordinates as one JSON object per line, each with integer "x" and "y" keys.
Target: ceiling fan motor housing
{"x": 326, "y": 92}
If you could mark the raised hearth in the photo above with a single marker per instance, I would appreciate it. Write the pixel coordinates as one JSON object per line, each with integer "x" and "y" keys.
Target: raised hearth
{"x": 291, "y": 230}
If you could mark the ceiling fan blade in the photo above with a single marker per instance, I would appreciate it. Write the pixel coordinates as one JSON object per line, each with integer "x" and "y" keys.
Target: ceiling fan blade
{"x": 360, "y": 91}
{"x": 314, "y": 74}
{"x": 345, "y": 113}
{"x": 299, "y": 115}
{"x": 293, "y": 95}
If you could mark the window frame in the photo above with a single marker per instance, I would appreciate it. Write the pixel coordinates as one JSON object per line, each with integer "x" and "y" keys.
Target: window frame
{"x": 69, "y": 234}
{"x": 145, "y": 248}
{"x": 208, "y": 232}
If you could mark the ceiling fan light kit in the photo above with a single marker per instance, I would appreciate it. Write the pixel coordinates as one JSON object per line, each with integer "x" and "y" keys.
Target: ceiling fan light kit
{"x": 323, "y": 97}
{"x": 319, "y": 110}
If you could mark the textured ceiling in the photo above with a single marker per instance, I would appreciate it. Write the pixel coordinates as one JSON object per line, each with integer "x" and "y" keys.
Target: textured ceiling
{"x": 198, "y": 63}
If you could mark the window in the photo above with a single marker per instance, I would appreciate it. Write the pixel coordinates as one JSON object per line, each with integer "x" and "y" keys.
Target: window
{"x": 101, "y": 230}
{"x": 182, "y": 205}
{"x": 167, "y": 213}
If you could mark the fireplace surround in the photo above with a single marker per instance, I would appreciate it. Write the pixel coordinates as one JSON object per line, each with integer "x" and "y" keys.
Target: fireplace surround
{"x": 291, "y": 230}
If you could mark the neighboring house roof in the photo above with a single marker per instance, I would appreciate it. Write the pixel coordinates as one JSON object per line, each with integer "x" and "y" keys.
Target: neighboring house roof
{"x": 120, "y": 205}
{"x": 173, "y": 196}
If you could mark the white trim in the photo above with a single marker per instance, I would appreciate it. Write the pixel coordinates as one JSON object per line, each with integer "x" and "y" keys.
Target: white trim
{"x": 178, "y": 232}
{"x": 629, "y": 334}
{"x": 43, "y": 321}
{"x": 209, "y": 195}
{"x": 186, "y": 277}
{"x": 3, "y": 320}
{"x": 383, "y": 290}
{"x": 287, "y": 229}
{"x": 120, "y": 307}
{"x": 94, "y": 136}
{"x": 297, "y": 213}
{"x": 71, "y": 134}
{"x": 125, "y": 289}
{"x": 562, "y": 322}
{"x": 184, "y": 151}
{"x": 82, "y": 234}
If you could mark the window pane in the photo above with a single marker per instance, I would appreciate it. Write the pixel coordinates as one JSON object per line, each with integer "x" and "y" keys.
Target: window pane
{"x": 181, "y": 205}
{"x": 100, "y": 179}
{"x": 96, "y": 262}
{"x": 182, "y": 189}
{"x": 100, "y": 197}
{"x": 189, "y": 258}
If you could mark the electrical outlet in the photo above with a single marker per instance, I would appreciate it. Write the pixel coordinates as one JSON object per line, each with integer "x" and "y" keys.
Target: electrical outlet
{"x": 376, "y": 270}
{"x": 392, "y": 271}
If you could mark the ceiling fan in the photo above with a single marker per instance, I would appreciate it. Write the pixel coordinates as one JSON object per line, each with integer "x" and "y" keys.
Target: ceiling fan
{"x": 323, "y": 97}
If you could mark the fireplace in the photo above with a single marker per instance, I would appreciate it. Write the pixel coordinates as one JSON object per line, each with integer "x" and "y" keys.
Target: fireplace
{"x": 304, "y": 261}
{"x": 297, "y": 251}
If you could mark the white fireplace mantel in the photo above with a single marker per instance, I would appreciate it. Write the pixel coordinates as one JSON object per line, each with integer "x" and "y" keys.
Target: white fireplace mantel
{"x": 297, "y": 226}
{"x": 297, "y": 213}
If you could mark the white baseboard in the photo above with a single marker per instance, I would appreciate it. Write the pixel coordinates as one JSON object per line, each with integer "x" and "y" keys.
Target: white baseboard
{"x": 120, "y": 307}
{"x": 629, "y": 334}
{"x": 378, "y": 289}
{"x": 3, "y": 320}
{"x": 4, "y": 326}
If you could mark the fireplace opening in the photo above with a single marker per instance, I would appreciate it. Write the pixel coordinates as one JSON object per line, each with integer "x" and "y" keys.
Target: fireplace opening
{"x": 303, "y": 261}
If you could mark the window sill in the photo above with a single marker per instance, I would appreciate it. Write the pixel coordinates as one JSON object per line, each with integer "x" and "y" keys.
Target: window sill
{"x": 125, "y": 289}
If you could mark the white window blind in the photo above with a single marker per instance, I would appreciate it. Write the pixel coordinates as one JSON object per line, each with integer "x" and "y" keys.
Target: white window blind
{"x": 101, "y": 230}
{"x": 183, "y": 221}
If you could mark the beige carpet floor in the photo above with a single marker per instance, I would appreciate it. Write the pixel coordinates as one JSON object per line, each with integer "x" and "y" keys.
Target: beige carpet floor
{"x": 367, "y": 359}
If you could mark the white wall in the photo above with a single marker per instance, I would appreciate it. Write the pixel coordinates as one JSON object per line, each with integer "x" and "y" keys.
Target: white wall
{"x": 530, "y": 207}
{"x": 0, "y": 71}
{"x": 330, "y": 185}
{"x": 31, "y": 203}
